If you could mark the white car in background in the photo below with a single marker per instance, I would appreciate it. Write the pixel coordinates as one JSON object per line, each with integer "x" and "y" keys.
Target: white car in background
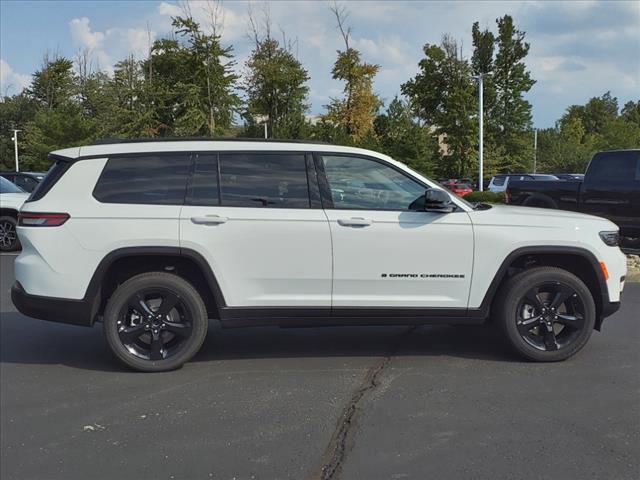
{"x": 11, "y": 199}
{"x": 500, "y": 182}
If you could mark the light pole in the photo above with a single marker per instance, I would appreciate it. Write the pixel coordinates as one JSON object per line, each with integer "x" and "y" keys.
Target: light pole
{"x": 480, "y": 78}
{"x": 535, "y": 149}
{"x": 15, "y": 146}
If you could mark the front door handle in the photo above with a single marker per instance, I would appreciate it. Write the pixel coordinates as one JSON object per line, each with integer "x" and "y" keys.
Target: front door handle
{"x": 355, "y": 222}
{"x": 209, "y": 220}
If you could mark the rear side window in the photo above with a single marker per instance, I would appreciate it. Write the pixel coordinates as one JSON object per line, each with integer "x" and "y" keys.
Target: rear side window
{"x": 159, "y": 179}
{"x": 614, "y": 169}
{"x": 498, "y": 181}
{"x": 54, "y": 174}
{"x": 275, "y": 180}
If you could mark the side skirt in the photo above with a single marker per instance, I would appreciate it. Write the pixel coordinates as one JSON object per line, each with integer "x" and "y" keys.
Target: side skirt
{"x": 236, "y": 317}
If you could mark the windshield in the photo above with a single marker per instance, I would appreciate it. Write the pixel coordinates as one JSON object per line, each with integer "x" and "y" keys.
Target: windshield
{"x": 7, "y": 187}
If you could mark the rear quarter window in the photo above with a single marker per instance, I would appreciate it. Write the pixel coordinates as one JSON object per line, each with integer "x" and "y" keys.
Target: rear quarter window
{"x": 614, "y": 170}
{"x": 157, "y": 179}
{"x": 54, "y": 174}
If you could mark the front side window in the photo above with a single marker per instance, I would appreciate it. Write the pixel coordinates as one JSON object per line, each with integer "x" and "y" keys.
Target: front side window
{"x": 274, "y": 180}
{"x": 159, "y": 179}
{"x": 360, "y": 183}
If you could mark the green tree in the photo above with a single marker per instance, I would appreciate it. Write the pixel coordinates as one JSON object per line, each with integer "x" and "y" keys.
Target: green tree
{"x": 61, "y": 119}
{"x": 275, "y": 85}
{"x": 15, "y": 112}
{"x": 403, "y": 138}
{"x": 357, "y": 109}
{"x": 54, "y": 84}
{"x": 510, "y": 118}
{"x": 192, "y": 81}
{"x": 442, "y": 95}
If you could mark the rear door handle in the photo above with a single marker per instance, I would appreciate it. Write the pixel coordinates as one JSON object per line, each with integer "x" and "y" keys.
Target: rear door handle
{"x": 355, "y": 222}
{"x": 209, "y": 220}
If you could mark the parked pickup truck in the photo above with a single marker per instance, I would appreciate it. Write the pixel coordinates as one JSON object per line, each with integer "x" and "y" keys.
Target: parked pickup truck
{"x": 610, "y": 189}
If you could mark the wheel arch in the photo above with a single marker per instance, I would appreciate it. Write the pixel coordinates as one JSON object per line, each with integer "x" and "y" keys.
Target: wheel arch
{"x": 124, "y": 263}
{"x": 579, "y": 261}
{"x": 8, "y": 212}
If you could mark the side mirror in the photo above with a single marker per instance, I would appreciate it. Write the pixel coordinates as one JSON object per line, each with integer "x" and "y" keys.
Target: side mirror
{"x": 436, "y": 200}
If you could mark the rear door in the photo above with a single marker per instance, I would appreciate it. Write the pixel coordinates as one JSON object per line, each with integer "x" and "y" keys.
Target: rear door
{"x": 386, "y": 253}
{"x": 255, "y": 219}
{"x": 611, "y": 189}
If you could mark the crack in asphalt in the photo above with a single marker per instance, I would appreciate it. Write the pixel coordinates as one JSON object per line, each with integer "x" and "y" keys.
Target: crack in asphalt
{"x": 343, "y": 437}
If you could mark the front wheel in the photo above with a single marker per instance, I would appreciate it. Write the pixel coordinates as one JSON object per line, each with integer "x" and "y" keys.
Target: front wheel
{"x": 547, "y": 314}
{"x": 155, "y": 322}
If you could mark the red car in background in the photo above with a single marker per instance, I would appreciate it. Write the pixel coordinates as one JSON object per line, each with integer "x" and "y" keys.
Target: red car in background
{"x": 459, "y": 188}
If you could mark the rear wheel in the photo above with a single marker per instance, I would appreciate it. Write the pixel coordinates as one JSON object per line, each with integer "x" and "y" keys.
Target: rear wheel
{"x": 155, "y": 322}
{"x": 8, "y": 236}
{"x": 547, "y": 314}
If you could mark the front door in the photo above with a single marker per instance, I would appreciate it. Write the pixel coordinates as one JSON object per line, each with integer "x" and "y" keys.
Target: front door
{"x": 252, "y": 218}
{"x": 386, "y": 254}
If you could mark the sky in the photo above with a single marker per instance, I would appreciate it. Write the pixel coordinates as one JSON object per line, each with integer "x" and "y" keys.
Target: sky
{"x": 579, "y": 49}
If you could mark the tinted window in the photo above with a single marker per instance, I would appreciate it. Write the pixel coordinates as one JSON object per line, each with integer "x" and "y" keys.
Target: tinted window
{"x": 204, "y": 184}
{"x": 359, "y": 183}
{"x": 149, "y": 179}
{"x": 498, "y": 181}
{"x": 276, "y": 180}
{"x": 28, "y": 184}
{"x": 615, "y": 169}
{"x": 7, "y": 187}
{"x": 52, "y": 176}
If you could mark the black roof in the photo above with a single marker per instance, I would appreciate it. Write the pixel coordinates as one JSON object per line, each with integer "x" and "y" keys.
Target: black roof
{"x": 111, "y": 141}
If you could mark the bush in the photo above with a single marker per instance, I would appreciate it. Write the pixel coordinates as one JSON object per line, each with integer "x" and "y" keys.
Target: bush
{"x": 485, "y": 197}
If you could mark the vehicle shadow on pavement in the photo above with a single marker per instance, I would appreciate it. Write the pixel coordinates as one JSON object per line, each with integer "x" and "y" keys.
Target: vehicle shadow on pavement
{"x": 27, "y": 341}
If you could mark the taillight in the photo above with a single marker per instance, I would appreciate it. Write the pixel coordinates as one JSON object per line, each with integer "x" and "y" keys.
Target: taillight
{"x": 28, "y": 219}
{"x": 507, "y": 195}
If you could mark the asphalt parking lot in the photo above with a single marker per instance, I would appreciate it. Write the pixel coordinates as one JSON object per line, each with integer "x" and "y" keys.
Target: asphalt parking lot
{"x": 348, "y": 403}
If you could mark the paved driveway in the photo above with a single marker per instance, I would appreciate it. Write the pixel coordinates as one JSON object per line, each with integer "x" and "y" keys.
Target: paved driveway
{"x": 350, "y": 403}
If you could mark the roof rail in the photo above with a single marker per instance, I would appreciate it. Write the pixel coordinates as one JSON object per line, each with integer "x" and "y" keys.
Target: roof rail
{"x": 116, "y": 140}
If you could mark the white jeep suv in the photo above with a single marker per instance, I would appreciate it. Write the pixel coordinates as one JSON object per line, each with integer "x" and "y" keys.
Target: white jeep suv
{"x": 153, "y": 238}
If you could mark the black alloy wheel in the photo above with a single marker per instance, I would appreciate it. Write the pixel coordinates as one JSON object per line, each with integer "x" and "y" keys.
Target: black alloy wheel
{"x": 547, "y": 314}
{"x": 155, "y": 321}
{"x": 154, "y": 324}
{"x": 550, "y": 316}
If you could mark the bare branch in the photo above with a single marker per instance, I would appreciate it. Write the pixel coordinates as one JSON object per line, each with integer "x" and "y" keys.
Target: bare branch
{"x": 342, "y": 14}
{"x": 185, "y": 7}
{"x": 215, "y": 16}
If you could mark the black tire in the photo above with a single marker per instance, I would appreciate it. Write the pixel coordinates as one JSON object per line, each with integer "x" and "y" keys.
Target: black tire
{"x": 532, "y": 325}
{"x": 135, "y": 322}
{"x": 8, "y": 237}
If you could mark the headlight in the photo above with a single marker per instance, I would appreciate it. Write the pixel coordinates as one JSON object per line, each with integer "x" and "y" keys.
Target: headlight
{"x": 610, "y": 238}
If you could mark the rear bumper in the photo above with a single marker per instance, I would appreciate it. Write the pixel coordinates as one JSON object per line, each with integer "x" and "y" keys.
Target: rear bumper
{"x": 61, "y": 310}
